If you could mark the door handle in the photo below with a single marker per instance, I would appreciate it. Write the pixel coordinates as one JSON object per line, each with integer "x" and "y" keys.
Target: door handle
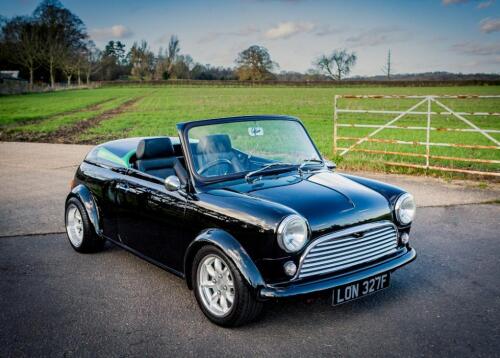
{"x": 155, "y": 200}
{"x": 122, "y": 187}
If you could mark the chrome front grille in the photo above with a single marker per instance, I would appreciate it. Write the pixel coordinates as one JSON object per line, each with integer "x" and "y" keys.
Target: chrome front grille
{"x": 347, "y": 248}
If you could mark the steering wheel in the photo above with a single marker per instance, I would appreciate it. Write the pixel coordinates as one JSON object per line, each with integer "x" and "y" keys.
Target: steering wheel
{"x": 217, "y": 162}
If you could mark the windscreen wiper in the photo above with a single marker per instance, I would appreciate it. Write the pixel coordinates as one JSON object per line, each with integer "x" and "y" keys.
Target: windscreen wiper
{"x": 267, "y": 167}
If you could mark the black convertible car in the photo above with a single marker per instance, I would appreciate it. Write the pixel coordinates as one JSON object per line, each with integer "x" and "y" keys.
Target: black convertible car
{"x": 245, "y": 209}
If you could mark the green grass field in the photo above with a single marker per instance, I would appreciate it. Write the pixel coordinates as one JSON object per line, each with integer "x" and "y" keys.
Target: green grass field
{"x": 115, "y": 112}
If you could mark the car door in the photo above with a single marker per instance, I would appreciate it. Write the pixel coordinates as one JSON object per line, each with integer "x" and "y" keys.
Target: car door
{"x": 150, "y": 218}
{"x": 101, "y": 179}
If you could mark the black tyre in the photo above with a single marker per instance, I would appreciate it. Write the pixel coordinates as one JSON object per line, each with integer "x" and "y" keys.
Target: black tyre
{"x": 221, "y": 291}
{"x": 79, "y": 229}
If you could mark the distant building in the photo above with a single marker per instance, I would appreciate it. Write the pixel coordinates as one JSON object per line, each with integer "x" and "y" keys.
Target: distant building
{"x": 9, "y": 74}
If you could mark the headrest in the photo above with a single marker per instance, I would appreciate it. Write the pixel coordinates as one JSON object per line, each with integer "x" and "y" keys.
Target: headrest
{"x": 151, "y": 148}
{"x": 215, "y": 143}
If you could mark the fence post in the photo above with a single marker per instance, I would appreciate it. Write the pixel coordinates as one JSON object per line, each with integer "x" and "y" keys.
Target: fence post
{"x": 427, "y": 145}
{"x": 335, "y": 119}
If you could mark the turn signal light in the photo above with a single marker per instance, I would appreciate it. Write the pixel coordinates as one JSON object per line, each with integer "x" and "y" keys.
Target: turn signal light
{"x": 290, "y": 268}
{"x": 405, "y": 238}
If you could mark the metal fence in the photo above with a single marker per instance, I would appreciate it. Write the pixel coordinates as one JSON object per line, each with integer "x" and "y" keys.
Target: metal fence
{"x": 428, "y": 128}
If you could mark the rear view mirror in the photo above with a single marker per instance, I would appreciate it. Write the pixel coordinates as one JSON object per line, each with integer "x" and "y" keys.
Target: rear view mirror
{"x": 172, "y": 183}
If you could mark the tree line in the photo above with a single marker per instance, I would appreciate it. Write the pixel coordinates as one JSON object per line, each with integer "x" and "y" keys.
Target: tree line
{"x": 52, "y": 45}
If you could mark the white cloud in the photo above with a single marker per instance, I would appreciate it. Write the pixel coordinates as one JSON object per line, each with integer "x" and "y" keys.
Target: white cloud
{"x": 489, "y": 25}
{"x": 287, "y": 29}
{"x": 473, "y": 48}
{"x": 480, "y": 5}
{"x": 451, "y": 2}
{"x": 378, "y": 36}
{"x": 485, "y": 4}
{"x": 110, "y": 33}
{"x": 329, "y": 30}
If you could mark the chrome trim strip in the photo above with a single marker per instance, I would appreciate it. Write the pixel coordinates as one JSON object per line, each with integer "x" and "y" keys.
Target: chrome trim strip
{"x": 307, "y": 274}
{"x": 339, "y": 234}
{"x": 348, "y": 239}
{"x": 360, "y": 242}
{"x": 349, "y": 260}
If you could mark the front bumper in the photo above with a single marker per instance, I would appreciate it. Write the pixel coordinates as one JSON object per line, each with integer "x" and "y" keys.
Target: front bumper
{"x": 298, "y": 288}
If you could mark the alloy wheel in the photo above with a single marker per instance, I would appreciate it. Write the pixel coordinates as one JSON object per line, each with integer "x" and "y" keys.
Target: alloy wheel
{"x": 216, "y": 285}
{"x": 74, "y": 225}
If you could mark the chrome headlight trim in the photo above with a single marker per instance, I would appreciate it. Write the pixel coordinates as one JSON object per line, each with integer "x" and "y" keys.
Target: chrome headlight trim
{"x": 405, "y": 215}
{"x": 292, "y": 245}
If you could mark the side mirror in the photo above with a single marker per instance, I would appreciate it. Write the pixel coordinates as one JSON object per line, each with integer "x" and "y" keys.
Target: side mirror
{"x": 330, "y": 165}
{"x": 172, "y": 183}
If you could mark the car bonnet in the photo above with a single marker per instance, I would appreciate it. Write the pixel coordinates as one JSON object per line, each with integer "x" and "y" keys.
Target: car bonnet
{"x": 327, "y": 200}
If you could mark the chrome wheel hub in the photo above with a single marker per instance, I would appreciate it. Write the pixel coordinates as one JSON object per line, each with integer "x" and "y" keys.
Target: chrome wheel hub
{"x": 215, "y": 285}
{"x": 74, "y": 225}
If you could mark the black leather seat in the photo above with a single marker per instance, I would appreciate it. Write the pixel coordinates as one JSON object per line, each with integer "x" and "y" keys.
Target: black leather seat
{"x": 156, "y": 156}
{"x": 215, "y": 147}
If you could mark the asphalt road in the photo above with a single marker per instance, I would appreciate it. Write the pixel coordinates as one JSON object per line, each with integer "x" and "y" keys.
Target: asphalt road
{"x": 56, "y": 302}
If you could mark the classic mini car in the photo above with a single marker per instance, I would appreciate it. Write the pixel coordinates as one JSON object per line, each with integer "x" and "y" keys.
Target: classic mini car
{"x": 245, "y": 209}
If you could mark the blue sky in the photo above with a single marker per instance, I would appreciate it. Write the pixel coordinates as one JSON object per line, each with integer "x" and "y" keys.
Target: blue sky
{"x": 423, "y": 35}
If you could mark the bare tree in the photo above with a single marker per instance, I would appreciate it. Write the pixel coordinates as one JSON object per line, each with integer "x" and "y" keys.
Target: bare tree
{"x": 142, "y": 60}
{"x": 80, "y": 61}
{"x": 189, "y": 62}
{"x": 337, "y": 65}
{"x": 387, "y": 69}
{"x": 69, "y": 65}
{"x": 161, "y": 67}
{"x": 24, "y": 43}
{"x": 53, "y": 53}
{"x": 166, "y": 61}
{"x": 173, "y": 51}
{"x": 63, "y": 33}
{"x": 91, "y": 60}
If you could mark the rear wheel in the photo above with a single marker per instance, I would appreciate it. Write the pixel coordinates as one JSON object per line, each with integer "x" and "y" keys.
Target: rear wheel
{"x": 81, "y": 234}
{"x": 220, "y": 290}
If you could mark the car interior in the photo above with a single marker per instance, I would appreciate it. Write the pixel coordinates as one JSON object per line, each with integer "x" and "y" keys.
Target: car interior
{"x": 213, "y": 155}
{"x": 158, "y": 157}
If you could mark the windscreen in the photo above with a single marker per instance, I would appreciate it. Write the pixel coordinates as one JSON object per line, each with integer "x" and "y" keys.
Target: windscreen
{"x": 240, "y": 147}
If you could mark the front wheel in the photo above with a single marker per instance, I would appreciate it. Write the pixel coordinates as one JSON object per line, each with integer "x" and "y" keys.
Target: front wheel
{"x": 81, "y": 234}
{"x": 221, "y": 291}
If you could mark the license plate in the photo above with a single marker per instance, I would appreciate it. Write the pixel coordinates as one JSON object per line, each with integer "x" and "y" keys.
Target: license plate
{"x": 360, "y": 288}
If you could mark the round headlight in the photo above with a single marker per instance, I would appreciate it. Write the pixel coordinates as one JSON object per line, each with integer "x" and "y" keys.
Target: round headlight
{"x": 293, "y": 233}
{"x": 405, "y": 209}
